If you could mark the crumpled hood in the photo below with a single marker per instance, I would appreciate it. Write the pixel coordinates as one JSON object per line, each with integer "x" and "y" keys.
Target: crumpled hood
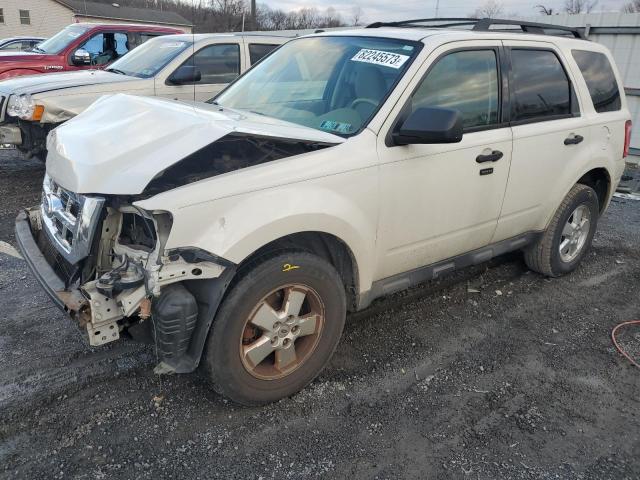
{"x": 120, "y": 143}
{"x": 34, "y": 84}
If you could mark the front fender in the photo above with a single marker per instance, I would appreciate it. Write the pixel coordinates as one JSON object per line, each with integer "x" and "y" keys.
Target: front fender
{"x": 234, "y": 227}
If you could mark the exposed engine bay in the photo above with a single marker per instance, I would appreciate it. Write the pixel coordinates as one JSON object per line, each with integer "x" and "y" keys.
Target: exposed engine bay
{"x": 128, "y": 283}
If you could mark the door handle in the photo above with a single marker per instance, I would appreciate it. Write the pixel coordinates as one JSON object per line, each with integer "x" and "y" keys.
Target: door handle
{"x": 573, "y": 140}
{"x": 492, "y": 157}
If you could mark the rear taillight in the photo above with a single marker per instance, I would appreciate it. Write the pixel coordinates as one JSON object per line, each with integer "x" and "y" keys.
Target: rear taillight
{"x": 627, "y": 138}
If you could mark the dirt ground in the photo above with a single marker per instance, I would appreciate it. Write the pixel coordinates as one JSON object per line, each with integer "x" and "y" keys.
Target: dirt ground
{"x": 516, "y": 380}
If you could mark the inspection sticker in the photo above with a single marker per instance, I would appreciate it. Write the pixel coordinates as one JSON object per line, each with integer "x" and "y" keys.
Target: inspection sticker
{"x": 378, "y": 57}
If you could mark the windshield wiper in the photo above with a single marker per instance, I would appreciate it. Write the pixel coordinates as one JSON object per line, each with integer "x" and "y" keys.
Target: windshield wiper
{"x": 115, "y": 70}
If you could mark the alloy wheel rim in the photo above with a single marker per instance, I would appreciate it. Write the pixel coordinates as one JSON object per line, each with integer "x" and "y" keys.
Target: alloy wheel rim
{"x": 574, "y": 234}
{"x": 282, "y": 332}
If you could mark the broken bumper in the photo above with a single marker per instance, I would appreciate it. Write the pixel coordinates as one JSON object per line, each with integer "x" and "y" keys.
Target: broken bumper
{"x": 71, "y": 301}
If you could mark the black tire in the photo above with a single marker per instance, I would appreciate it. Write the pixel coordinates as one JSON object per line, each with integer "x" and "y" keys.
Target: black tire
{"x": 223, "y": 364}
{"x": 544, "y": 256}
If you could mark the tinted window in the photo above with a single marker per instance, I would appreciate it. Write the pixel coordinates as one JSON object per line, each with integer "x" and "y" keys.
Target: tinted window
{"x": 217, "y": 63}
{"x": 601, "y": 81}
{"x": 463, "y": 81}
{"x": 540, "y": 87}
{"x": 259, "y": 50}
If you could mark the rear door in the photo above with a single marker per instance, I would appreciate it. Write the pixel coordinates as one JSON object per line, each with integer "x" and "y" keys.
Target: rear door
{"x": 439, "y": 201}
{"x": 218, "y": 64}
{"x": 551, "y": 138}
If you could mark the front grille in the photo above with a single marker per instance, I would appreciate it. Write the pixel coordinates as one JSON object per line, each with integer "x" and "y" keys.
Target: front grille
{"x": 63, "y": 269}
{"x": 2, "y": 112}
{"x": 69, "y": 220}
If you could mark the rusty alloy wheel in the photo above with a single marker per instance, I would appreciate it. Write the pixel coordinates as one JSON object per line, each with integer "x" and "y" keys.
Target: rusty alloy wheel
{"x": 282, "y": 331}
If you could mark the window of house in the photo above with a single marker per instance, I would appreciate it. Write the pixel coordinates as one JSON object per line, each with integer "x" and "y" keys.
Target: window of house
{"x": 466, "y": 81}
{"x": 600, "y": 80}
{"x": 25, "y": 17}
{"x": 1, "y": 15}
{"x": 259, "y": 50}
{"x": 540, "y": 87}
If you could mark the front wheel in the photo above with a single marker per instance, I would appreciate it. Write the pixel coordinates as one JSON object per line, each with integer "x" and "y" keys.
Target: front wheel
{"x": 276, "y": 329}
{"x": 568, "y": 237}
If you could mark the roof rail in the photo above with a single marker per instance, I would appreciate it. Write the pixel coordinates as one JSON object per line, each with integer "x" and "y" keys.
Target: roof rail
{"x": 484, "y": 25}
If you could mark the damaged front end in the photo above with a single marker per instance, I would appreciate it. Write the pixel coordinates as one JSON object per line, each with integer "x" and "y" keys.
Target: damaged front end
{"x": 103, "y": 261}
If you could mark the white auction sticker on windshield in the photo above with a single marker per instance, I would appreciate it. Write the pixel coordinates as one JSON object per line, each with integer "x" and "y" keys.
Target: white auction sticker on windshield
{"x": 378, "y": 57}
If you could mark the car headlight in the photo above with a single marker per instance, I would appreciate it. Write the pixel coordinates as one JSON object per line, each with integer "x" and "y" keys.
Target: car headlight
{"x": 21, "y": 106}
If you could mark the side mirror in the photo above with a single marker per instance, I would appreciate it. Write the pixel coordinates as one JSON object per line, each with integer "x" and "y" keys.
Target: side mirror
{"x": 430, "y": 125}
{"x": 185, "y": 74}
{"x": 81, "y": 57}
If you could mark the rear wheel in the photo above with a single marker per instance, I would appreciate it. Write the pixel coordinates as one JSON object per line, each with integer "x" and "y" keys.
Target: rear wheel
{"x": 276, "y": 329}
{"x": 569, "y": 235}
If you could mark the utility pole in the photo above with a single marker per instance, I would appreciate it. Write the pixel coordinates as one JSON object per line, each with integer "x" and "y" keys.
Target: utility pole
{"x": 437, "y": 7}
{"x": 253, "y": 15}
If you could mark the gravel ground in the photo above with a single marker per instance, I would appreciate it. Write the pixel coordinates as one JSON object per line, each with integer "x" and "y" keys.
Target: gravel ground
{"x": 518, "y": 380}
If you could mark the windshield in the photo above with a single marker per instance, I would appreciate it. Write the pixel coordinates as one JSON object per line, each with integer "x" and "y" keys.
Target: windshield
{"x": 333, "y": 84}
{"x": 149, "y": 58}
{"x": 60, "y": 40}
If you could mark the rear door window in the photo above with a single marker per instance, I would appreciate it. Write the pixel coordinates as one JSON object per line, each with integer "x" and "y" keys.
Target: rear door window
{"x": 259, "y": 50}
{"x": 600, "y": 80}
{"x": 466, "y": 81}
{"x": 540, "y": 87}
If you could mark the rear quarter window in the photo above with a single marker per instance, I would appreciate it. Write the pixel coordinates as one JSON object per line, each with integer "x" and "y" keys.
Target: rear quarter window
{"x": 259, "y": 50}
{"x": 600, "y": 80}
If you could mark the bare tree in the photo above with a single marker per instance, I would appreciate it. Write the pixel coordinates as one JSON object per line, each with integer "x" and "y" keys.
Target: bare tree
{"x": 545, "y": 10}
{"x": 574, "y": 7}
{"x": 632, "y": 7}
{"x": 356, "y": 16}
{"x": 491, "y": 9}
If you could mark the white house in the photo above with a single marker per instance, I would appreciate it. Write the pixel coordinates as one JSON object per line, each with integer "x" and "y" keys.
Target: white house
{"x": 44, "y": 18}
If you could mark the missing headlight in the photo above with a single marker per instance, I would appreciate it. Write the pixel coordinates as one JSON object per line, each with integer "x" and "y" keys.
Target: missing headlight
{"x": 137, "y": 232}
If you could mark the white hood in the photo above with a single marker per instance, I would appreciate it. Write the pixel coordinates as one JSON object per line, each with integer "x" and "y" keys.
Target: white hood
{"x": 120, "y": 143}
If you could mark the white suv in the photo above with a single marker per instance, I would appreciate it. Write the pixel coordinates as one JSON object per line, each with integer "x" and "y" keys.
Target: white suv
{"x": 344, "y": 167}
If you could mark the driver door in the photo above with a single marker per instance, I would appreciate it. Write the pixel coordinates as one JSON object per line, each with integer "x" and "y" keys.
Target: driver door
{"x": 440, "y": 201}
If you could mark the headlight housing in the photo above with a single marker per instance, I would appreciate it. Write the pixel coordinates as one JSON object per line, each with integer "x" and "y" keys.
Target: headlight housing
{"x": 21, "y": 106}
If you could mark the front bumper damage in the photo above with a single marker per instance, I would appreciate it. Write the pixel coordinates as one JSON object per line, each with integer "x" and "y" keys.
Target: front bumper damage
{"x": 119, "y": 300}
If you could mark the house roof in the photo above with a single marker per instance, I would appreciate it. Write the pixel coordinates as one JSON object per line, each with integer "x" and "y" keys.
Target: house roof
{"x": 113, "y": 12}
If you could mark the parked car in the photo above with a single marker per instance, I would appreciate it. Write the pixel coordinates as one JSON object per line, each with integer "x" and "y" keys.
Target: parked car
{"x": 19, "y": 44}
{"x": 345, "y": 166}
{"x": 181, "y": 67}
{"x": 79, "y": 46}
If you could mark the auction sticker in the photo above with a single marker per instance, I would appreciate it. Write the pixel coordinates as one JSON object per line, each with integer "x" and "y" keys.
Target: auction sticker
{"x": 378, "y": 57}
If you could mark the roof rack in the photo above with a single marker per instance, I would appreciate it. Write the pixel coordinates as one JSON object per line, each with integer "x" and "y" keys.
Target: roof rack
{"x": 484, "y": 25}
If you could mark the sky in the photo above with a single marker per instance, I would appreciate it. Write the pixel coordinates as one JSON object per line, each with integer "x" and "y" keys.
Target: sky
{"x": 385, "y": 10}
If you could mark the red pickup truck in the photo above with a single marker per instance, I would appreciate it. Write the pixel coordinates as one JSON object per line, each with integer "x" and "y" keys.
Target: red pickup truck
{"x": 79, "y": 46}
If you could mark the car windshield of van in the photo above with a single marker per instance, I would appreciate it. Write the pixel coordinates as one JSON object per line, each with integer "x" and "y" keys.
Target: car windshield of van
{"x": 60, "y": 40}
{"x": 331, "y": 83}
{"x": 149, "y": 58}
